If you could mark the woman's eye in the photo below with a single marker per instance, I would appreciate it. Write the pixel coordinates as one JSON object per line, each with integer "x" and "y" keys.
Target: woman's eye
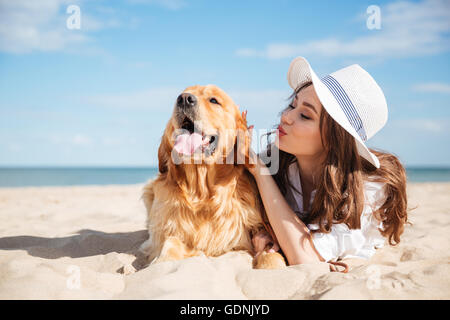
{"x": 305, "y": 117}
{"x": 213, "y": 100}
{"x": 291, "y": 106}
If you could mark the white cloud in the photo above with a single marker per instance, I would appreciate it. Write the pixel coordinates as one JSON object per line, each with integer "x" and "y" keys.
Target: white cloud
{"x": 27, "y": 26}
{"x": 407, "y": 29}
{"x": 78, "y": 140}
{"x": 436, "y": 126}
{"x": 14, "y": 147}
{"x": 248, "y": 52}
{"x": 430, "y": 125}
{"x": 434, "y": 87}
{"x": 90, "y": 23}
{"x": 34, "y": 25}
{"x": 81, "y": 140}
{"x": 117, "y": 141}
{"x": 151, "y": 99}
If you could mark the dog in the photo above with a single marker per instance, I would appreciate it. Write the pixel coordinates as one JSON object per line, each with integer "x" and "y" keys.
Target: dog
{"x": 203, "y": 200}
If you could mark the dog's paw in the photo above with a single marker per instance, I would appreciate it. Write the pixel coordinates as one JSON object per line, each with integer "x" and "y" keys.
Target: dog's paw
{"x": 269, "y": 260}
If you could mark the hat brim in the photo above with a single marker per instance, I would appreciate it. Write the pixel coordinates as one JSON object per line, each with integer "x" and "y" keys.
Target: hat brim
{"x": 301, "y": 72}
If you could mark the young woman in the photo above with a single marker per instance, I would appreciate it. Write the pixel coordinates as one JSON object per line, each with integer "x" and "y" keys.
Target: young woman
{"x": 332, "y": 197}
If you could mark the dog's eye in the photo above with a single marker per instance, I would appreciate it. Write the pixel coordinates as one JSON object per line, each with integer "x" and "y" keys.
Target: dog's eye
{"x": 213, "y": 100}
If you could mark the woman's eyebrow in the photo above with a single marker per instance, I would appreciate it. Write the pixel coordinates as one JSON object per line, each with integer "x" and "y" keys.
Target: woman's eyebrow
{"x": 309, "y": 105}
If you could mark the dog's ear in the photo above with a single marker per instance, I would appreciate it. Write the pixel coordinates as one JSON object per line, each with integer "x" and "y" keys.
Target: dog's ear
{"x": 163, "y": 155}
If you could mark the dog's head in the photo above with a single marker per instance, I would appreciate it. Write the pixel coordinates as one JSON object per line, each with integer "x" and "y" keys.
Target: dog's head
{"x": 206, "y": 127}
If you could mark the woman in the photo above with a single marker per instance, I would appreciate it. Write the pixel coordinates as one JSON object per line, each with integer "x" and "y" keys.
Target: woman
{"x": 332, "y": 197}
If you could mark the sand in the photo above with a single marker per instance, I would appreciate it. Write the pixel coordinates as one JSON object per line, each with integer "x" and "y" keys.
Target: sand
{"x": 81, "y": 243}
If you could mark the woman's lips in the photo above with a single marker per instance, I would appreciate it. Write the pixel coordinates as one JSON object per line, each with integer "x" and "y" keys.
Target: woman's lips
{"x": 280, "y": 131}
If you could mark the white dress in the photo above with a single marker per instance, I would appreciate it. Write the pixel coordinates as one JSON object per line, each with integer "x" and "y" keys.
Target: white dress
{"x": 342, "y": 242}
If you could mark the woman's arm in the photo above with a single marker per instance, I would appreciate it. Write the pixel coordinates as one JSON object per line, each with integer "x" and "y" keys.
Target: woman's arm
{"x": 293, "y": 236}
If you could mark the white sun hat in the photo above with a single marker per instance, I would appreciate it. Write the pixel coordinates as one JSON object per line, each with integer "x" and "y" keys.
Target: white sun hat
{"x": 350, "y": 96}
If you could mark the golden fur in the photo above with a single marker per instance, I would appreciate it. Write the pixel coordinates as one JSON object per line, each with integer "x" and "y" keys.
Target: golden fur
{"x": 213, "y": 206}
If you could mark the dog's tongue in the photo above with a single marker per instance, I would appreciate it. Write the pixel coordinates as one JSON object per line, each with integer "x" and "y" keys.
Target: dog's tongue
{"x": 187, "y": 143}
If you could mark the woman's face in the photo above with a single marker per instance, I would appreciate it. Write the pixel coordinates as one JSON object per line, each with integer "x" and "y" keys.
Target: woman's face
{"x": 301, "y": 123}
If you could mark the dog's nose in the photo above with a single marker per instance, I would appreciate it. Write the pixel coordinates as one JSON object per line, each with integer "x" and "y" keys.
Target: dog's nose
{"x": 186, "y": 101}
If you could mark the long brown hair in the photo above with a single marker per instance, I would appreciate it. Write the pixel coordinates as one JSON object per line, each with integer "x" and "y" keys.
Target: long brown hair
{"x": 339, "y": 194}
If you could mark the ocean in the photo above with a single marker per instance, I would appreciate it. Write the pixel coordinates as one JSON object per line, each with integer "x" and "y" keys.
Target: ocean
{"x": 24, "y": 177}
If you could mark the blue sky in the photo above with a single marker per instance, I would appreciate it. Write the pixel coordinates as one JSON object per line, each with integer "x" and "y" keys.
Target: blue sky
{"x": 102, "y": 95}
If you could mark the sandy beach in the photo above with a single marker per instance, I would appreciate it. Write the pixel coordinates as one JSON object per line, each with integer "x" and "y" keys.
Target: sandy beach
{"x": 81, "y": 243}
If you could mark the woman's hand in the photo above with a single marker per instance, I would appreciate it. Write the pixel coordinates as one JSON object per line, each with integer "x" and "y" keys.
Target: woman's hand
{"x": 261, "y": 239}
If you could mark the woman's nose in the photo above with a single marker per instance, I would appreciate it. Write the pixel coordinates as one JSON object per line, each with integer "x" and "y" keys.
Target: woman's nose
{"x": 285, "y": 117}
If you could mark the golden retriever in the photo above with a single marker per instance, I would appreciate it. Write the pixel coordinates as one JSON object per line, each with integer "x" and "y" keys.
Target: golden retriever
{"x": 203, "y": 200}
